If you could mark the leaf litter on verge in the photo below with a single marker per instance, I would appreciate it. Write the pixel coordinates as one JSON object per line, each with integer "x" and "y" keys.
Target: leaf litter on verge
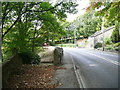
{"x": 32, "y": 76}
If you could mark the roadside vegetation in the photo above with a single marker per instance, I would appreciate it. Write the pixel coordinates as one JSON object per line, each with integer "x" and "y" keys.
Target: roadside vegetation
{"x": 91, "y": 22}
{"x": 26, "y": 26}
{"x": 111, "y": 14}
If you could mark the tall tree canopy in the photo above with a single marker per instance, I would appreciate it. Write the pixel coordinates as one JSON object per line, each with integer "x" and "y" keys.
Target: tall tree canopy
{"x": 111, "y": 12}
{"x": 12, "y": 12}
{"x": 85, "y": 25}
{"x": 27, "y": 25}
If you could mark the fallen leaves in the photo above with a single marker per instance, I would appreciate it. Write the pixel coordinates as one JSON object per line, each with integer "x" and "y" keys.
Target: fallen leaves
{"x": 60, "y": 68}
{"x": 32, "y": 76}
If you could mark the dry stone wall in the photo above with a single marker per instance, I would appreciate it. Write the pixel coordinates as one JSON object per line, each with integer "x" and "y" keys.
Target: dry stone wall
{"x": 9, "y": 66}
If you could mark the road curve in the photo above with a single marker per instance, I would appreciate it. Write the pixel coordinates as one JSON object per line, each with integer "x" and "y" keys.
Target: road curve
{"x": 97, "y": 69}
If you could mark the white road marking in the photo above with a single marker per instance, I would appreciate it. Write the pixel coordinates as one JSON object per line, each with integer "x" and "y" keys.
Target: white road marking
{"x": 92, "y": 65}
{"x": 109, "y": 60}
{"x": 78, "y": 75}
{"x": 103, "y": 53}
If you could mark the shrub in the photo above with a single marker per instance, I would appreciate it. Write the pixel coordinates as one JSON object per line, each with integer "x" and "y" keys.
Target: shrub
{"x": 117, "y": 44}
{"x": 115, "y": 34}
{"x": 98, "y": 45}
{"x": 109, "y": 48}
{"x": 108, "y": 41}
{"x": 30, "y": 58}
{"x": 117, "y": 48}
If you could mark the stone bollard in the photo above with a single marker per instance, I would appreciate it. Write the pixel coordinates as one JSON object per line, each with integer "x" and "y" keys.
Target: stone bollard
{"x": 58, "y": 54}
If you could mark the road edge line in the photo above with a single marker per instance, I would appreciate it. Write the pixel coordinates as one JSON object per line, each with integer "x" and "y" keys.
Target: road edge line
{"x": 78, "y": 76}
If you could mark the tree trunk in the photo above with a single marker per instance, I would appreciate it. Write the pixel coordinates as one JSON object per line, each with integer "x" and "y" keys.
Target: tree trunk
{"x": 33, "y": 45}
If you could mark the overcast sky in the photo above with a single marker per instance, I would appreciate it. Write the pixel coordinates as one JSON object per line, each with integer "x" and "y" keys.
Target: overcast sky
{"x": 82, "y": 4}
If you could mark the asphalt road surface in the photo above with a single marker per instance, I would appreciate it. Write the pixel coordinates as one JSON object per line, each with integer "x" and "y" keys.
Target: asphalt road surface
{"x": 97, "y": 69}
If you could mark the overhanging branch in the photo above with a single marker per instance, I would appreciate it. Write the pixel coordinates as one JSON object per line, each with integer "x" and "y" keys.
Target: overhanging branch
{"x": 25, "y": 12}
{"x": 10, "y": 27}
{"x": 46, "y": 9}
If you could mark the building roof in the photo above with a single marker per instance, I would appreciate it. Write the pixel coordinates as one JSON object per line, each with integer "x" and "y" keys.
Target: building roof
{"x": 100, "y": 32}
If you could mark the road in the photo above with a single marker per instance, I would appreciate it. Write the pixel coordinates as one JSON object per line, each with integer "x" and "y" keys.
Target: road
{"x": 97, "y": 69}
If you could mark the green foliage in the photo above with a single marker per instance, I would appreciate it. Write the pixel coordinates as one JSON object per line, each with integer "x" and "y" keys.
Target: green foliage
{"x": 66, "y": 45}
{"x": 115, "y": 34}
{"x": 84, "y": 25}
{"x": 30, "y": 58}
{"x": 68, "y": 7}
{"x": 51, "y": 43}
{"x": 111, "y": 13}
{"x": 17, "y": 38}
{"x": 108, "y": 41}
{"x": 110, "y": 10}
{"x": 98, "y": 45}
{"x": 7, "y": 53}
{"x": 90, "y": 24}
{"x": 117, "y": 44}
{"x": 20, "y": 22}
{"x": 116, "y": 48}
{"x": 110, "y": 47}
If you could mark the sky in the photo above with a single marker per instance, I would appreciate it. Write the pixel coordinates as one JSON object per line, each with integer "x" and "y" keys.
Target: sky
{"x": 82, "y": 4}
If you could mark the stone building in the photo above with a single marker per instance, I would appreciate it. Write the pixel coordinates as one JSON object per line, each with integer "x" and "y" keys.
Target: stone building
{"x": 99, "y": 36}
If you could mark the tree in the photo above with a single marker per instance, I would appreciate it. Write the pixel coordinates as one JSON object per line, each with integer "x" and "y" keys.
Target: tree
{"x": 27, "y": 25}
{"x": 89, "y": 24}
{"x": 111, "y": 13}
{"x": 115, "y": 35}
{"x": 11, "y": 8}
{"x": 86, "y": 25}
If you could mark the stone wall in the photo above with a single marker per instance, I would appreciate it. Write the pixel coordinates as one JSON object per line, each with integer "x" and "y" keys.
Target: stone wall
{"x": 90, "y": 42}
{"x": 98, "y": 36}
{"x": 9, "y": 66}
